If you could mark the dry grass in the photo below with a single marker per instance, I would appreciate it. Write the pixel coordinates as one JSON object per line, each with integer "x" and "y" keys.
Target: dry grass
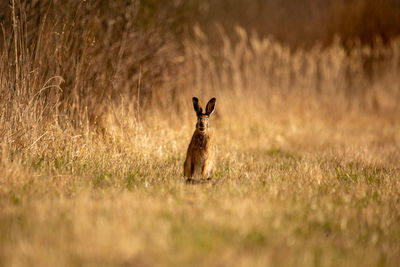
{"x": 308, "y": 152}
{"x": 288, "y": 190}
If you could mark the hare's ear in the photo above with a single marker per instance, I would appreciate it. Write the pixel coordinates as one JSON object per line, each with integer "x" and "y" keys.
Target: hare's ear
{"x": 197, "y": 106}
{"x": 210, "y": 106}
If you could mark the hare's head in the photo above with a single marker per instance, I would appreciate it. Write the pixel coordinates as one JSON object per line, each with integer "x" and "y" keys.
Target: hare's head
{"x": 203, "y": 118}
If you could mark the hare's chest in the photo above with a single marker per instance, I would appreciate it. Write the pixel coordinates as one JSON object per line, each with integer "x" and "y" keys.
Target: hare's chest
{"x": 201, "y": 143}
{"x": 202, "y": 149}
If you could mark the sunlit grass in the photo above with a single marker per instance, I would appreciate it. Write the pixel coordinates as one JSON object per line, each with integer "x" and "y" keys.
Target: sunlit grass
{"x": 302, "y": 200}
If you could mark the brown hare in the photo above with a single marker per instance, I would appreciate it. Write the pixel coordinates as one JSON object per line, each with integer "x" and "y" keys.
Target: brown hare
{"x": 200, "y": 153}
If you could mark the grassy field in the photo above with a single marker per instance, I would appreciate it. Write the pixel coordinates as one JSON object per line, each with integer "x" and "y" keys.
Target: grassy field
{"x": 92, "y": 147}
{"x": 289, "y": 189}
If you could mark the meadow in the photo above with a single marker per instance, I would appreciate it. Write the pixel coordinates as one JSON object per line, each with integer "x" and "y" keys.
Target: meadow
{"x": 94, "y": 127}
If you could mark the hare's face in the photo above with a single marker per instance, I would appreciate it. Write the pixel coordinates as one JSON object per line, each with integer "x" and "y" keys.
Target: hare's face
{"x": 202, "y": 123}
{"x": 203, "y": 118}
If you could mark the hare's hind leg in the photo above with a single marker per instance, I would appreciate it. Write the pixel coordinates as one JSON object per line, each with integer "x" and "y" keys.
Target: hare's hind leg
{"x": 187, "y": 168}
{"x": 189, "y": 171}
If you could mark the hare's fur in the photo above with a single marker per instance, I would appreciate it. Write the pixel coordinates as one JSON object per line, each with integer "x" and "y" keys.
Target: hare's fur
{"x": 200, "y": 153}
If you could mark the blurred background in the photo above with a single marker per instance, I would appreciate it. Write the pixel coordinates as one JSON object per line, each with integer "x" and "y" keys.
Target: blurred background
{"x": 75, "y": 59}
